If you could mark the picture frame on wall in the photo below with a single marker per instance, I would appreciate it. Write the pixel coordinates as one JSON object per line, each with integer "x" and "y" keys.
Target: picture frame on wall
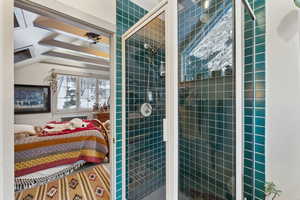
{"x": 30, "y": 99}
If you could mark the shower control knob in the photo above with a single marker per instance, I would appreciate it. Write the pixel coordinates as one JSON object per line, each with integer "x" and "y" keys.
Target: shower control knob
{"x": 146, "y": 109}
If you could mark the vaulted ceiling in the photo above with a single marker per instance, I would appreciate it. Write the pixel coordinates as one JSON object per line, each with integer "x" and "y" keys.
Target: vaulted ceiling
{"x": 38, "y": 38}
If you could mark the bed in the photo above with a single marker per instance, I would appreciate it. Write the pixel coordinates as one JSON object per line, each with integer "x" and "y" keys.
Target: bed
{"x": 39, "y": 152}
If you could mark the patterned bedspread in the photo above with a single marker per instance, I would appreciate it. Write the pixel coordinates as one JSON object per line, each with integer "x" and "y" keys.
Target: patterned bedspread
{"x": 37, "y": 153}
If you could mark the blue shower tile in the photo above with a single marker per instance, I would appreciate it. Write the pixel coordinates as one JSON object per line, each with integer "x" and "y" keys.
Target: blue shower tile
{"x": 260, "y": 140}
{"x": 260, "y": 176}
{"x": 260, "y": 121}
{"x": 260, "y": 48}
{"x": 260, "y": 112}
{"x": 259, "y": 194}
{"x": 124, "y": 21}
{"x": 248, "y": 172}
{"x": 260, "y": 103}
{"x": 260, "y": 158}
{"x": 260, "y": 76}
{"x": 259, "y": 148}
{"x": 255, "y": 186}
{"x": 260, "y": 130}
{"x": 249, "y": 138}
{"x": 260, "y": 3}
{"x": 248, "y": 128}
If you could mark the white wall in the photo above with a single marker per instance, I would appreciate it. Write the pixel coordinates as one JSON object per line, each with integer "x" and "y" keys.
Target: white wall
{"x": 283, "y": 97}
{"x": 102, "y": 9}
{"x": 101, "y": 13}
{"x": 6, "y": 101}
{"x": 146, "y": 4}
{"x": 35, "y": 74}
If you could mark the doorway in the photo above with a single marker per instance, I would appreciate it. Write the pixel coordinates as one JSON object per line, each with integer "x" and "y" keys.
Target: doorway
{"x": 73, "y": 64}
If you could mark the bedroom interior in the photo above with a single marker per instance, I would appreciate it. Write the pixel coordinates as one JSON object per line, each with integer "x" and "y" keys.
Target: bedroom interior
{"x": 62, "y": 72}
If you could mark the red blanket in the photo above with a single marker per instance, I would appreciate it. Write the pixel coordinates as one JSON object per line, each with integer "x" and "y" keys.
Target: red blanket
{"x": 90, "y": 126}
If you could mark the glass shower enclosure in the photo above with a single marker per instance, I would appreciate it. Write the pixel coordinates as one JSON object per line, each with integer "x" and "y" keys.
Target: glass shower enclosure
{"x": 145, "y": 109}
{"x": 182, "y": 103}
{"x": 206, "y": 92}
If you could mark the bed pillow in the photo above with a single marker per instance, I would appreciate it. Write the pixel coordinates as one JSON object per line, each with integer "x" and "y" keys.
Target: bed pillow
{"x": 24, "y": 128}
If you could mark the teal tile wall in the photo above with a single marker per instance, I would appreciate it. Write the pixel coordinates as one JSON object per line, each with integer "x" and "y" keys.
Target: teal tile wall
{"x": 145, "y": 148}
{"x": 128, "y": 14}
{"x": 254, "y": 105}
{"x": 206, "y": 101}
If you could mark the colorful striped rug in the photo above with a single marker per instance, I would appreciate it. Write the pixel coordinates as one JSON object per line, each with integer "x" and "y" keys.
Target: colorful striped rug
{"x": 89, "y": 184}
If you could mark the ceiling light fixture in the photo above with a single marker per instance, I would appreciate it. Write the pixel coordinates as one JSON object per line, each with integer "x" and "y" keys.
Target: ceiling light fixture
{"x": 93, "y": 36}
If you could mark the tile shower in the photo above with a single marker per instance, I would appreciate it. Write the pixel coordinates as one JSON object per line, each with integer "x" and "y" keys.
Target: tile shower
{"x": 128, "y": 14}
{"x": 206, "y": 104}
{"x": 145, "y": 86}
{"x": 254, "y": 102}
{"x": 206, "y": 101}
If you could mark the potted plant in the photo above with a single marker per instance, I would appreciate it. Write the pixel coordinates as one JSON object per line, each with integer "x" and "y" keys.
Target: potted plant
{"x": 271, "y": 191}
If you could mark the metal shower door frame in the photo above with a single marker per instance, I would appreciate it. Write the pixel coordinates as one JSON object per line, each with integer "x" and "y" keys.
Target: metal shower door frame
{"x": 171, "y": 131}
{"x": 158, "y": 10}
{"x": 172, "y": 95}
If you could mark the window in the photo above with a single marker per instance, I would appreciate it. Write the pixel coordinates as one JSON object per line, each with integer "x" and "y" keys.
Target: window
{"x": 76, "y": 93}
{"x": 88, "y": 92}
{"x": 66, "y": 92}
{"x": 104, "y": 91}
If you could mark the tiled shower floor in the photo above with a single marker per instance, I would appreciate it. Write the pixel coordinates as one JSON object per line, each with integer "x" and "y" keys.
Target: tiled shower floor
{"x": 157, "y": 195}
{"x": 160, "y": 194}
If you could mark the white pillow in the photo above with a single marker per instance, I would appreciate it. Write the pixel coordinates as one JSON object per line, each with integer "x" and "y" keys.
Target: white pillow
{"x": 107, "y": 125}
{"x": 20, "y": 128}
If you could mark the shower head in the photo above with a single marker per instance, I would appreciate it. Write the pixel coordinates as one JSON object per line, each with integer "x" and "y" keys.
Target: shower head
{"x": 147, "y": 46}
{"x": 152, "y": 49}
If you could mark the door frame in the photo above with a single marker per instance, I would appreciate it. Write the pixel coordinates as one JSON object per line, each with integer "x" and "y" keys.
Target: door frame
{"x": 170, "y": 9}
{"x": 58, "y": 11}
{"x": 239, "y": 97}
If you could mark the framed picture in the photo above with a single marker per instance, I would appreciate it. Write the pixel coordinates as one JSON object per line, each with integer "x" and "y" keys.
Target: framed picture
{"x": 32, "y": 99}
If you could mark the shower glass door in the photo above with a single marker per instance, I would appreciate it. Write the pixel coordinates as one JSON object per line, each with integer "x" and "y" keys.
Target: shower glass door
{"x": 206, "y": 92}
{"x": 144, "y": 109}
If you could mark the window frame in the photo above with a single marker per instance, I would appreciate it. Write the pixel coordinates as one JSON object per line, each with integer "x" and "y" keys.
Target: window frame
{"x": 78, "y": 109}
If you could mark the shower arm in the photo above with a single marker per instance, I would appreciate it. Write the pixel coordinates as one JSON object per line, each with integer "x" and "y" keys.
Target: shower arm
{"x": 250, "y": 10}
